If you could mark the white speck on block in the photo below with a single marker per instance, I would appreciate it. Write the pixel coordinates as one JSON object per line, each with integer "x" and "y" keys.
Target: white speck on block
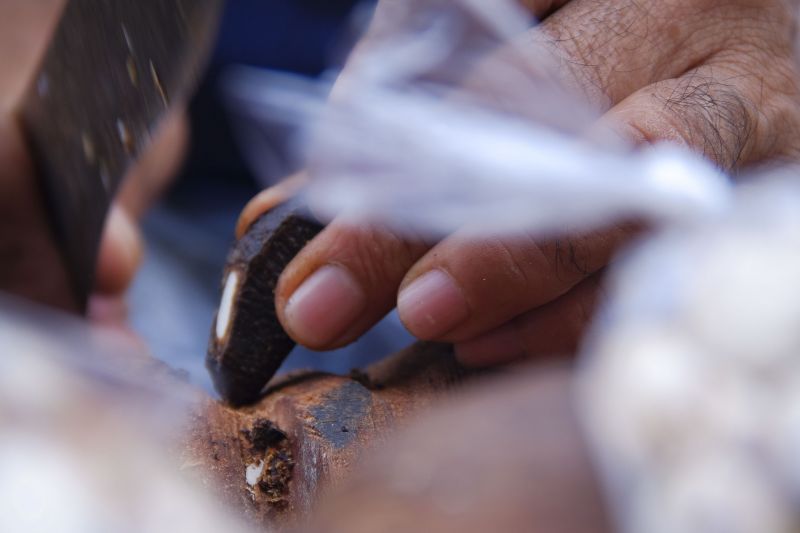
{"x": 226, "y": 306}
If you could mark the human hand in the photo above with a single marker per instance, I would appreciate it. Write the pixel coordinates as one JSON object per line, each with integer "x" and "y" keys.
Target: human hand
{"x": 718, "y": 77}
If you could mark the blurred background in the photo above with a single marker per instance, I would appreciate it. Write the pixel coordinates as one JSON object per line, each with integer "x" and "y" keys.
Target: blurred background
{"x": 189, "y": 233}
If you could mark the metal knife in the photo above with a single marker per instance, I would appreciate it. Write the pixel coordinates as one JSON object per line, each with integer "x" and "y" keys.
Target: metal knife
{"x": 112, "y": 71}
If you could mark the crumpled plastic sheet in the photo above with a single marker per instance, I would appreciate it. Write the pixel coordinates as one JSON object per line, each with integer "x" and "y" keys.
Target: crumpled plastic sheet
{"x": 691, "y": 380}
{"x": 87, "y": 442}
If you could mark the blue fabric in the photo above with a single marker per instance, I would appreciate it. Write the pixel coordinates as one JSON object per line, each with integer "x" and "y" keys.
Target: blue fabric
{"x": 288, "y": 35}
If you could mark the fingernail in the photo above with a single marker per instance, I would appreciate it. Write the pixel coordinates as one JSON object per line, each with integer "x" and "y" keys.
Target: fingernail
{"x": 496, "y": 347}
{"x": 432, "y": 305}
{"x": 324, "y": 306}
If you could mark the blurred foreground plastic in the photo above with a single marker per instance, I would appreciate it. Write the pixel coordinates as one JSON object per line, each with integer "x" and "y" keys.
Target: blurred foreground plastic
{"x": 88, "y": 434}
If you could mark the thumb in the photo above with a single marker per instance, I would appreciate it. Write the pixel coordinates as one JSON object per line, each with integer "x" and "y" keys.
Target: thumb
{"x": 121, "y": 252}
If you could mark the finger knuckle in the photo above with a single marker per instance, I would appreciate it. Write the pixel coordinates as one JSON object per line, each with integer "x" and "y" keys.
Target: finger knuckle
{"x": 377, "y": 255}
{"x": 516, "y": 263}
{"x": 711, "y": 115}
{"x": 568, "y": 258}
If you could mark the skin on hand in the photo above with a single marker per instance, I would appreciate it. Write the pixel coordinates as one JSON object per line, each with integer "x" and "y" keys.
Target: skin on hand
{"x": 717, "y": 76}
{"x": 268, "y": 199}
{"x": 510, "y": 456}
{"x": 30, "y": 259}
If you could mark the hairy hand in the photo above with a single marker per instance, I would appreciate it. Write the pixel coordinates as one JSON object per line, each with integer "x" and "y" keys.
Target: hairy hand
{"x": 717, "y": 76}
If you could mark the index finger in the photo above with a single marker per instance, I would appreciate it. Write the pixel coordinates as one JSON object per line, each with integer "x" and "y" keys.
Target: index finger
{"x": 469, "y": 285}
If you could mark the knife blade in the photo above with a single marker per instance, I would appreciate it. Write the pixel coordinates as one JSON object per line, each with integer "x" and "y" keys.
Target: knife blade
{"x": 113, "y": 70}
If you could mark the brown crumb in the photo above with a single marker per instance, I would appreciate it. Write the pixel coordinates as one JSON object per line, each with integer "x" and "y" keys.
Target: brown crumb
{"x": 274, "y": 482}
{"x": 264, "y": 435}
{"x": 269, "y": 442}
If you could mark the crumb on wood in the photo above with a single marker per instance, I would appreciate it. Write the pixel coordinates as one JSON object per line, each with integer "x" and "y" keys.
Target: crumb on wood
{"x": 274, "y": 481}
{"x": 273, "y": 445}
{"x": 264, "y": 435}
